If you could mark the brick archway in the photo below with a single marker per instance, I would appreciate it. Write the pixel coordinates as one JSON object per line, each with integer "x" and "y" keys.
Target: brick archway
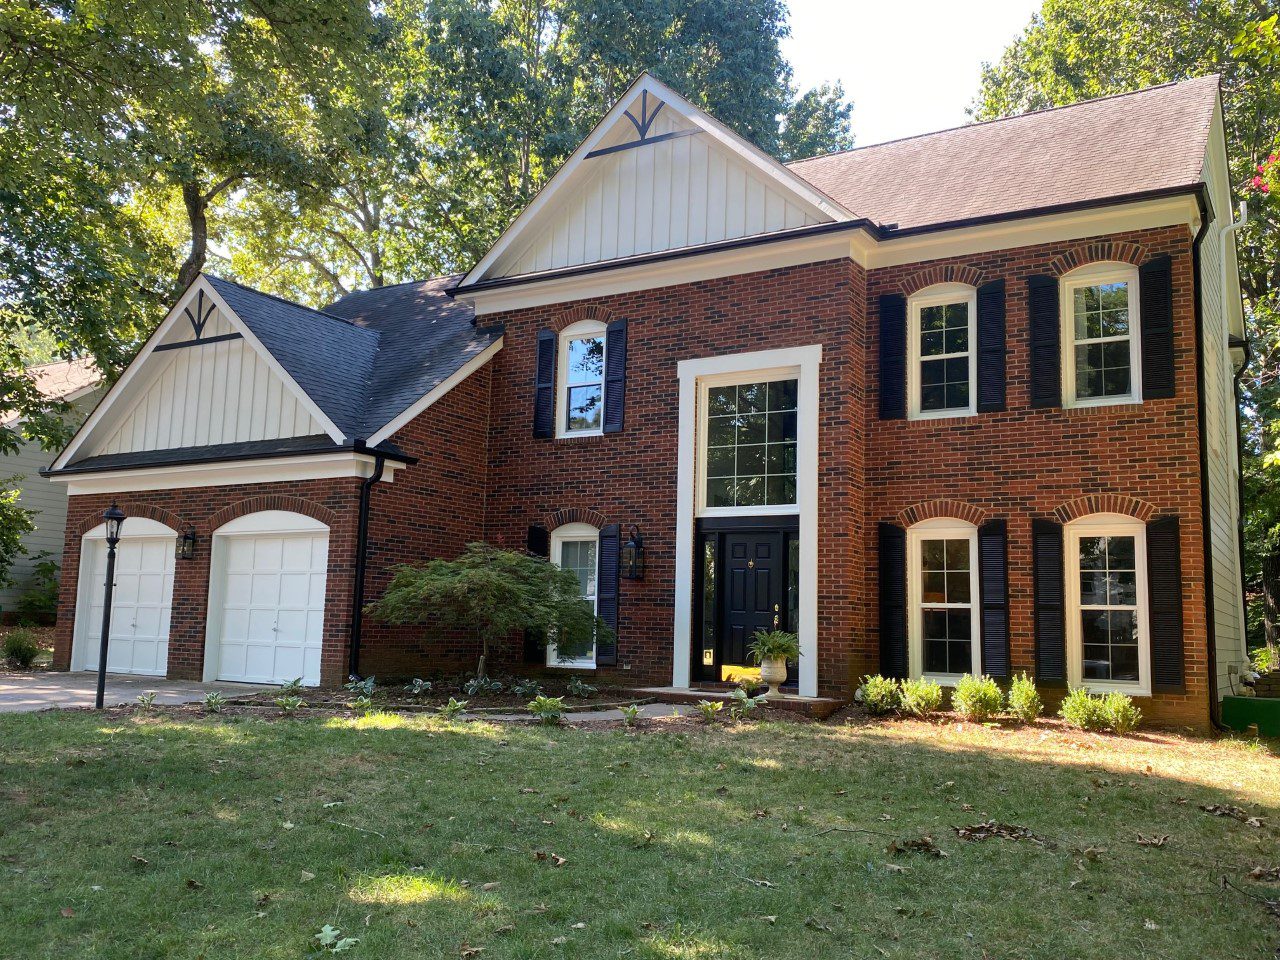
{"x": 150, "y": 512}
{"x": 308, "y": 508}
{"x": 932, "y": 509}
{"x": 1104, "y": 503}
{"x": 940, "y": 273}
{"x": 1101, "y": 251}
{"x": 582, "y": 311}
{"x": 576, "y": 515}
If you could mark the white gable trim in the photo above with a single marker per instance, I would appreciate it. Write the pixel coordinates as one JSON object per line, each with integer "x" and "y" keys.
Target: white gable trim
{"x": 175, "y": 315}
{"x": 451, "y": 381}
{"x": 804, "y": 192}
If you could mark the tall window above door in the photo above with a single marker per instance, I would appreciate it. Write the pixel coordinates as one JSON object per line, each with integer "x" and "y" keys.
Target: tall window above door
{"x": 581, "y": 364}
{"x": 941, "y": 361}
{"x": 1100, "y": 327}
{"x": 748, "y": 449}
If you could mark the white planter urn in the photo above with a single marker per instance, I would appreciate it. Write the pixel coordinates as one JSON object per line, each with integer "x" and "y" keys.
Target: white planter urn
{"x": 773, "y": 671}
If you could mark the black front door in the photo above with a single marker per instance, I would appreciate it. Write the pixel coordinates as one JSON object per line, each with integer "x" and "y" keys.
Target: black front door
{"x": 753, "y": 592}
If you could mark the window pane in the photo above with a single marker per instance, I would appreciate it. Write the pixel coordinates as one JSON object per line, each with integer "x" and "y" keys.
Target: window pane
{"x": 935, "y": 656}
{"x": 781, "y": 427}
{"x": 958, "y": 554}
{"x": 1115, "y": 323}
{"x": 957, "y": 341}
{"x": 720, "y": 461}
{"x": 932, "y": 344}
{"x": 751, "y": 460}
{"x": 721, "y": 431}
{"x": 1113, "y": 296}
{"x": 720, "y": 491}
{"x": 932, "y": 318}
{"x": 1093, "y": 553}
{"x": 782, "y": 490}
{"x": 933, "y": 398}
{"x": 782, "y": 458}
{"x": 722, "y": 401}
{"x": 959, "y": 657}
{"x": 584, "y": 408}
{"x": 934, "y": 589}
{"x": 782, "y": 395}
{"x": 1123, "y": 589}
{"x": 933, "y": 553}
{"x": 751, "y": 428}
{"x": 586, "y": 359}
{"x": 957, "y": 396}
{"x": 752, "y": 397}
{"x": 751, "y": 491}
{"x": 958, "y": 587}
{"x": 933, "y": 372}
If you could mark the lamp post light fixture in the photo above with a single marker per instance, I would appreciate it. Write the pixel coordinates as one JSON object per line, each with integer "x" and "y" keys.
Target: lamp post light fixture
{"x": 185, "y": 548}
{"x": 114, "y": 518}
{"x": 632, "y": 555}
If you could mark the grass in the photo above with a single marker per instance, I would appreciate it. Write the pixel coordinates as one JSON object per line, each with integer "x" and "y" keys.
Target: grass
{"x": 167, "y": 834}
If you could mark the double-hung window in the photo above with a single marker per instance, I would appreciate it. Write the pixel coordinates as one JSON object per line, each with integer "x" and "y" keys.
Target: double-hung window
{"x": 941, "y": 351}
{"x": 575, "y": 547}
{"x": 943, "y": 594}
{"x": 581, "y": 389}
{"x": 1106, "y": 592}
{"x": 1100, "y": 335}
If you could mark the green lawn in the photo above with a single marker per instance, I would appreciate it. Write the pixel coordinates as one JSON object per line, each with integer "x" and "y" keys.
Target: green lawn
{"x": 179, "y": 836}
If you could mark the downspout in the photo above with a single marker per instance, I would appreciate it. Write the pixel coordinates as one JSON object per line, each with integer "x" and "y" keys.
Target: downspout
{"x": 1228, "y": 232}
{"x": 362, "y": 554}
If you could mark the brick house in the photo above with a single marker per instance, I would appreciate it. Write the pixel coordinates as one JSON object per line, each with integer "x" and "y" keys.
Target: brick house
{"x": 957, "y": 403}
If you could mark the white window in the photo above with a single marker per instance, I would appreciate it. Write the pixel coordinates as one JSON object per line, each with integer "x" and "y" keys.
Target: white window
{"x": 1100, "y": 359}
{"x": 942, "y": 588}
{"x": 749, "y": 433}
{"x": 941, "y": 356}
{"x": 1108, "y": 646}
{"x": 575, "y": 546}
{"x": 580, "y": 372}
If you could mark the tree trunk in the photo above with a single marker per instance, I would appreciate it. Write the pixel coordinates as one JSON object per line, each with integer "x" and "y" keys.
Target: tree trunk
{"x": 193, "y": 198}
{"x": 1271, "y": 598}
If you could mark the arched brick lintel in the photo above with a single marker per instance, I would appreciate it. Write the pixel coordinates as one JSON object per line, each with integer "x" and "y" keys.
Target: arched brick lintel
{"x": 582, "y": 311}
{"x": 150, "y": 512}
{"x": 308, "y": 508}
{"x": 1100, "y": 251}
{"x": 1104, "y": 503}
{"x": 932, "y": 509}
{"x": 576, "y": 515}
{"x": 940, "y": 273}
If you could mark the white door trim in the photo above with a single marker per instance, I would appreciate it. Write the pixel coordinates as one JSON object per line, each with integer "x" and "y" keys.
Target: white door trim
{"x": 805, "y": 361}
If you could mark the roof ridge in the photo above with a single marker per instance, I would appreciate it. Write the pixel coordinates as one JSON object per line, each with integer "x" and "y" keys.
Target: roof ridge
{"x": 285, "y": 300}
{"x": 402, "y": 283}
{"x": 994, "y": 120}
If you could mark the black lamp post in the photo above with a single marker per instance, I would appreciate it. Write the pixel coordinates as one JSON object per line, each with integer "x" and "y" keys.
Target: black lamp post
{"x": 113, "y": 517}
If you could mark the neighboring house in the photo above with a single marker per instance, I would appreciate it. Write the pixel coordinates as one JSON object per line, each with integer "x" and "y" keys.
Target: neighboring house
{"x": 960, "y": 402}
{"x": 77, "y": 382}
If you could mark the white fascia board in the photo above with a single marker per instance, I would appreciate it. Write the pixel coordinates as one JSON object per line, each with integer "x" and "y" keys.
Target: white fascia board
{"x": 806, "y": 194}
{"x": 455, "y": 378}
{"x": 323, "y": 466}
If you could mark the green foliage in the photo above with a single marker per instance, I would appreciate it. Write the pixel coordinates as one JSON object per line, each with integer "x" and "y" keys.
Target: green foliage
{"x": 743, "y": 704}
{"x": 15, "y": 521}
{"x": 577, "y": 687}
{"x": 879, "y": 695}
{"x": 294, "y": 686}
{"x": 548, "y": 710}
{"x": 290, "y": 704}
{"x": 147, "y": 700}
{"x": 977, "y": 698}
{"x": 19, "y": 648}
{"x": 331, "y": 940}
{"x": 494, "y": 593}
{"x": 1266, "y": 658}
{"x": 478, "y": 686}
{"x": 774, "y": 645}
{"x": 1123, "y": 716}
{"x": 1084, "y": 711}
{"x": 214, "y": 702}
{"x": 920, "y": 698}
{"x": 453, "y": 709}
{"x": 709, "y": 708}
{"x": 630, "y": 714}
{"x": 1024, "y": 699}
{"x": 39, "y": 602}
{"x": 817, "y": 122}
{"x": 525, "y": 687}
{"x": 362, "y": 705}
{"x": 363, "y": 687}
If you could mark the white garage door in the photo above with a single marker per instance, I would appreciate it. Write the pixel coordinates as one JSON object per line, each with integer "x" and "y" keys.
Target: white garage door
{"x": 139, "y": 607}
{"x": 273, "y": 606}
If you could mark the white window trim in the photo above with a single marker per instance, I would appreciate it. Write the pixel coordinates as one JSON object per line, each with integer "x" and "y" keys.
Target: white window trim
{"x": 731, "y": 379}
{"x": 808, "y": 359}
{"x": 577, "y": 331}
{"x": 1088, "y": 276}
{"x": 573, "y": 533}
{"x": 1106, "y": 525}
{"x": 937, "y": 529}
{"x": 938, "y": 295}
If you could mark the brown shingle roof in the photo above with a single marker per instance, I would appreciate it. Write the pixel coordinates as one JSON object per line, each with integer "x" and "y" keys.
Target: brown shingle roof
{"x": 1149, "y": 140}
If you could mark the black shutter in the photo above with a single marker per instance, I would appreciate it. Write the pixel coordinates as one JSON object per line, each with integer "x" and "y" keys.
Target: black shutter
{"x": 893, "y": 356}
{"x": 991, "y": 352}
{"x": 537, "y": 542}
{"x": 1155, "y": 298}
{"x": 893, "y": 600}
{"x": 1164, "y": 603}
{"x": 607, "y": 593}
{"x": 993, "y": 586}
{"x": 544, "y": 388}
{"x": 1046, "y": 361}
{"x": 615, "y": 375}
{"x": 1051, "y": 637}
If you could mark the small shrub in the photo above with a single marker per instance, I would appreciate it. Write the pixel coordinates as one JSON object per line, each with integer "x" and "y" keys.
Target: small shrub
{"x": 363, "y": 687}
{"x": 743, "y": 704}
{"x": 577, "y": 687}
{"x": 292, "y": 688}
{"x": 147, "y": 700}
{"x": 1024, "y": 699}
{"x": 290, "y": 704}
{"x": 977, "y": 698}
{"x": 454, "y": 709}
{"x": 525, "y": 687}
{"x": 630, "y": 714}
{"x": 1266, "y": 659}
{"x": 1123, "y": 716}
{"x": 214, "y": 702}
{"x": 920, "y": 697}
{"x": 477, "y": 686}
{"x": 709, "y": 709}
{"x": 362, "y": 705}
{"x": 1084, "y": 712}
{"x": 417, "y": 687}
{"x": 879, "y": 695}
{"x": 548, "y": 710}
{"x": 20, "y": 648}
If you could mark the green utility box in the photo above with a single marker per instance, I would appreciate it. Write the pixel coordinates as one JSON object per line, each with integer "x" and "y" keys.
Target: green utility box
{"x": 1241, "y": 713}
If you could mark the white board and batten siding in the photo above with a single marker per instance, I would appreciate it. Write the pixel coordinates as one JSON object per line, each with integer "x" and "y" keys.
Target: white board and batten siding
{"x": 1220, "y": 427}
{"x": 676, "y": 193}
{"x": 212, "y": 393}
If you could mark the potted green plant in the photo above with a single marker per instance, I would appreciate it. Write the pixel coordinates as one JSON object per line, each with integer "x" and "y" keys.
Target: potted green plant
{"x": 773, "y": 650}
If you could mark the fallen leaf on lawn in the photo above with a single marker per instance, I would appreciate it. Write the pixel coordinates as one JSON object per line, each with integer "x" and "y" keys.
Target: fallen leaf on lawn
{"x": 923, "y": 844}
{"x": 967, "y": 807}
{"x": 263, "y": 900}
{"x": 887, "y": 816}
{"x": 140, "y": 861}
{"x": 579, "y": 926}
{"x": 528, "y": 790}
{"x": 470, "y": 951}
{"x": 1180, "y": 800}
{"x": 1232, "y": 811}
{"x": 813, "y": 923}
{"x": 841, "y": 793}
{"x": 1265, "y": 874}
{"x": 759, "y": 814}
{"x": 67, "y": 912}
{"x": 558, "y": 860}
{"x": 333, "y": 803}
{"x": 491, "y": 885}
{"x": 307, "y": 877}
{"x": 770, "y": 920}
{"x": 287, "y": 825}
{"x": 648, "y": 839}
{"x": 1093, "y": 853}
{"x": 1155, "y": 840}
{"x": 896, "y": 868}
{"x": 540, "y": 908}
{"x": 1150, "y": 925}
{"x": 992, "y": 828}
{"x": 194, "y": 884}
{"x": 758, "y": 883}
{"x": 559, "y": 941}
{"x": 505, "y": 928}
{"x": 722, "y": 790}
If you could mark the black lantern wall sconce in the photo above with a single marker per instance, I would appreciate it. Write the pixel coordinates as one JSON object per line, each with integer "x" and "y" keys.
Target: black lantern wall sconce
{"x": 185, "y": 547}
{"x": 631, "y": 559}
